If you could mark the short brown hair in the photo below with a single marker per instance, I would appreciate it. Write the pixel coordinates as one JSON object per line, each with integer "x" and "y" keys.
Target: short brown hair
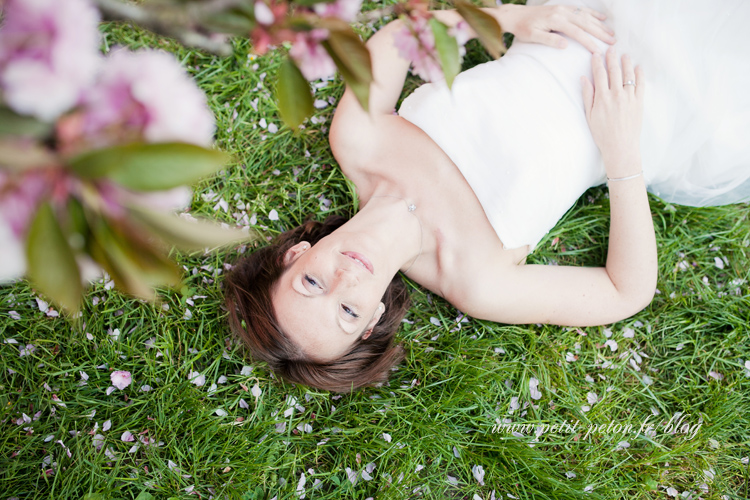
{"x": 248, "y": 290}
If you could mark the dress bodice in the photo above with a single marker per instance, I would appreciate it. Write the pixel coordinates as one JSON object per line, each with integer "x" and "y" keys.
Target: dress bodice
{"x": 517, "y": 131}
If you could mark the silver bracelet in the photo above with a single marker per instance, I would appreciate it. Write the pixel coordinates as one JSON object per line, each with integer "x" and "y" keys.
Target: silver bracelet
{"x": 625, "y": 178}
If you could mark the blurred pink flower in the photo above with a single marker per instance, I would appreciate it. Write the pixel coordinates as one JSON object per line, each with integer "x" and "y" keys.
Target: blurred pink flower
{"x": 263, "y": 13}
{"x": 49, "y": 53}
{"x": 462, "y": 32}
{"x": 19, "y": 199}
{"x": 12, "y": 253}
{"x": 147, "y": 94}
{"x": 120, "y": 379}
{"x": 310, "y": 56}
{"x": 416, "y": 42}
{"x": 346, "y": 10}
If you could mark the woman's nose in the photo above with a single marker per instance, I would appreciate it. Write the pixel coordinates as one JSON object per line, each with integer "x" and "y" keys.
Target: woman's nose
{"x": 346, "y": 277}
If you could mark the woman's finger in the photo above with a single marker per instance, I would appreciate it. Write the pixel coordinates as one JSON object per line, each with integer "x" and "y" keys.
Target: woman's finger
{"x": 552, "y": 40}
{"x": 628, "y": 75}
{"x": 595, "y": 28}
{"x": 580, "y": 36}
{"x": 640, "y": 81}
{"x": 600, "y": 74}
{"x": 591, "y": 12}
{"x": 613, "y": 68}
{"x": 588, "y": 96}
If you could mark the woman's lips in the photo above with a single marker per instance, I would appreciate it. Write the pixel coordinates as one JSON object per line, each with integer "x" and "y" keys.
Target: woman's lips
{"x": 361, "y": 260}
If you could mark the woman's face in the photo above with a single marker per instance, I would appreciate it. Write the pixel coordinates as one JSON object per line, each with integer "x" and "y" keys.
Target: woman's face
{"x": 329, "y": 295}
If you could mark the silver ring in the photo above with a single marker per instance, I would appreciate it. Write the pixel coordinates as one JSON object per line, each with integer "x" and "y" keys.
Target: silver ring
{"x": 629, "y": 82}
{"x": 577, "y": 11}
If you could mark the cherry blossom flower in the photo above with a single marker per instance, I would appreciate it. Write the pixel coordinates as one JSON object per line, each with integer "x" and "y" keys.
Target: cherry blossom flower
{"x": 146, "y": 94}
{"x": 478, "y": 472}
{"x": 196, "y": 378}
{"x": 48, "y": 54}
{"x": 27, "y": 350}
{"x": 462, "y": 33}
{"x": 98, "y": 441}
{"x": 12, "y": 256}
{"x": 120, "y": 379}
{"x": 301, "y": 485}
{"x": 346, "y": 10}
{"x": 311, "y": 58}
{"x": 263, "y": 13}
{"x": 611, "y": 344}
{"x": 20, "y": 198}
{"x": 416, "y": 42}
{"x": 592, "y": 398}
{"x": 533, "y": 388}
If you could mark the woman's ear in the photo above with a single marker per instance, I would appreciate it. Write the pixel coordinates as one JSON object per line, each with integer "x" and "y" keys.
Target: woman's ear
{"x": 294, "y": 252}
{"x": 374, "y": 321}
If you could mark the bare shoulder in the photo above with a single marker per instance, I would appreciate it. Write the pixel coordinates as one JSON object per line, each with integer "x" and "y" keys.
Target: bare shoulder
{"x": 377, "y": 143}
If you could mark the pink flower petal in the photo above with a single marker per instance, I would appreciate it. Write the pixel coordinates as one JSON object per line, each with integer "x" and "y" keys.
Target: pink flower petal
{"x": 121, "y": 379}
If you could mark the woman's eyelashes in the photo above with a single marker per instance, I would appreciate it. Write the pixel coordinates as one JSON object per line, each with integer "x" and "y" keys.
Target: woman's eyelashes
{"x": 349, "y": 311}
{"x": 311, "y": 281}
{"x": 314, "y": 284}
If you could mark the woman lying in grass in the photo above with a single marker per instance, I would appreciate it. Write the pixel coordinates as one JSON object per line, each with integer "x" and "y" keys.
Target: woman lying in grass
{"x": 458, "y": 188}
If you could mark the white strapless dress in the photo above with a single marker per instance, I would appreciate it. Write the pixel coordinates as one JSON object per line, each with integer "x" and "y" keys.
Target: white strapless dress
{"x": 516, "y": 127}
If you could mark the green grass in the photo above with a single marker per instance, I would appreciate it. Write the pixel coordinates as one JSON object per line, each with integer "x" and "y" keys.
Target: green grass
{"x": 442, "y": 402}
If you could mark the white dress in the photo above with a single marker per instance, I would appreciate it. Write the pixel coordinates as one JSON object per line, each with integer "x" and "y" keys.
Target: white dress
{"x": 516, "y": 128}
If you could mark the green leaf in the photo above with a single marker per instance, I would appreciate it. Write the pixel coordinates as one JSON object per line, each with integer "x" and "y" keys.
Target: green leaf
{"x": 94, "y": 496}
{"x": 235, "y": 22}
{"x": 145, "y": 495}
{"x": 52, "y": 266}
{"x": 353, "y": 61}
{"x": 150, "y": 167}
{"x": 185, "y": 234}
{"x": 134, "y": 263}
{"x": 310, "y": 3}
{"x": 12, "y": 123}
{"x": 293, "y": 94}
{"x": 652, "y": 485}
{"x": 487, "y": 28}
{"x": 447, "y": 48}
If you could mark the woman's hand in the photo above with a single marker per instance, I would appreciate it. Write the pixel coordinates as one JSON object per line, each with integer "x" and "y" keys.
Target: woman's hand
{"x": 614, "y": 109}
{"x": 539, "y": 24}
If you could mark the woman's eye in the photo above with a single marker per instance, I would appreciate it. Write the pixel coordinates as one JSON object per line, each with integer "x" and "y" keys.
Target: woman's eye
{"x": 349, "y": 311}
{"x": 311, "y": 281}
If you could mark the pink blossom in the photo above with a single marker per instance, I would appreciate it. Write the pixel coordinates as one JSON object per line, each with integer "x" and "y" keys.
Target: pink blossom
{"x": 263, "y": 13}
{"x": 197, "y": 378}
{"x": 28, "y": 350}
{"x": 346, "y": 10}
{"x": 20, "y": 196}
{"x": 48, "y": 54}
{"x": 416, "y": 42}
{"x": 146, "y": 94}
{"x": 310, "y": 56}
{"x": 120, "y": 379}
{"x": 462, "y": 32}
{"x": 12, "y": 253}
{"x": 98, "y": 441}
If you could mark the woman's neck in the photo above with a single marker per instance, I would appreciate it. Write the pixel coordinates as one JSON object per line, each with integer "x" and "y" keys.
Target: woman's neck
{"x": 396, "y": 232}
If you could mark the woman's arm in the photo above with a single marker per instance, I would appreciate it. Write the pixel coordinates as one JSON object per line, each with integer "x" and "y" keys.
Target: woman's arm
{"x": 530, "y": 24}
{"x": 591, "y": 296}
